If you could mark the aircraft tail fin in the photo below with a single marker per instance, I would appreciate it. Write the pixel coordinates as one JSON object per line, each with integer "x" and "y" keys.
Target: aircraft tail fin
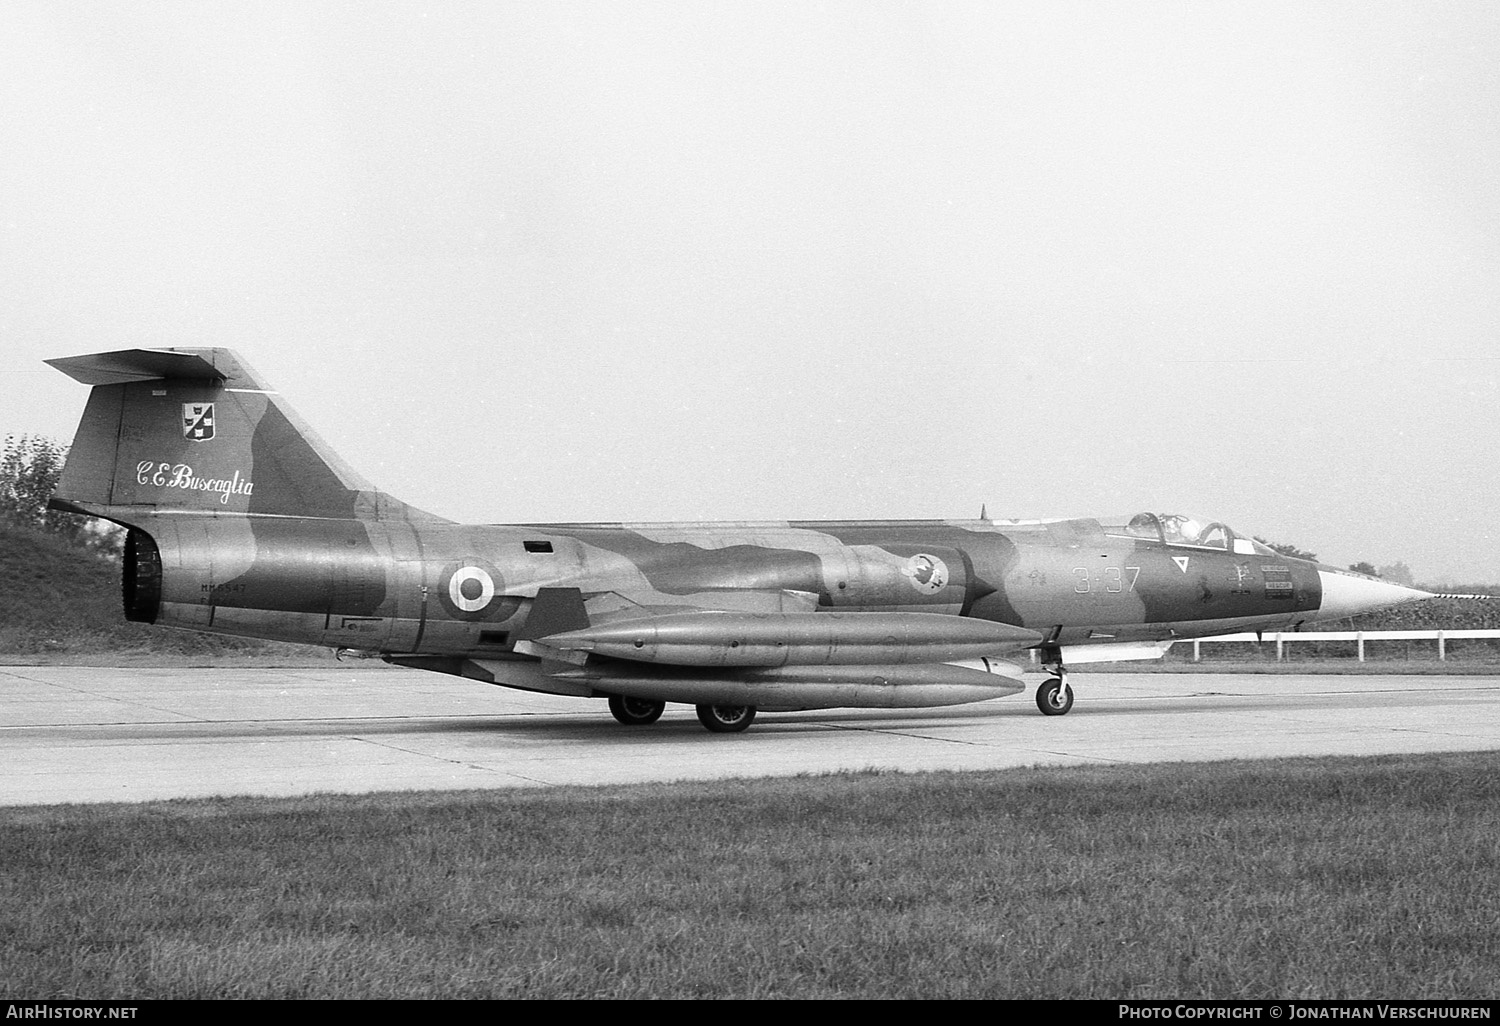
{"x": 196, "y": 430}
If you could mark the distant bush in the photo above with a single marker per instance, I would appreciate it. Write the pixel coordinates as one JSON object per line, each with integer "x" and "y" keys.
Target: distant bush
{"x": 30, "y": 468}
{"x": 1429, "y": 615}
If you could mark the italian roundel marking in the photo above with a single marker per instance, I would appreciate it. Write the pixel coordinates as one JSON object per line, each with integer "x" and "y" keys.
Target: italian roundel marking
{"x": 472, "y": 589}
{"x": 928, "y": 574}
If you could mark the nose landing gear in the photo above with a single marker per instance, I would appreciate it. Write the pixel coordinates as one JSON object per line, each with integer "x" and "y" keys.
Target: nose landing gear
{"x": 1054, "y": 697}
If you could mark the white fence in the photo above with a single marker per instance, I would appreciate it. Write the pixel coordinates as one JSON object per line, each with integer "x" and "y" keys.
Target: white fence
{"x": 1285, "y": 638}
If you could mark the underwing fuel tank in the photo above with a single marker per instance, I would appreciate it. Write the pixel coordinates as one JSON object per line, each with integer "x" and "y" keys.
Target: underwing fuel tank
{"x": 773, "y": 688}
{"x": 796, "y": 639}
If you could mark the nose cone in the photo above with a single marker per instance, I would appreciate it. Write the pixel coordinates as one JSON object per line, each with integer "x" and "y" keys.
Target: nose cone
{"x": 1352, "y": 594}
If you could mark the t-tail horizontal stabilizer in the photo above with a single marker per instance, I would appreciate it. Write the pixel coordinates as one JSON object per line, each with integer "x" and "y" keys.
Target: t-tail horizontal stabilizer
{"x": 198, "y": 431}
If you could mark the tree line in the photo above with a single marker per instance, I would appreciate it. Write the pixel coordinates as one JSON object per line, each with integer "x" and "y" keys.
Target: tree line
{"x": 1397, "y": 572}
{"x": 30, "y": 468}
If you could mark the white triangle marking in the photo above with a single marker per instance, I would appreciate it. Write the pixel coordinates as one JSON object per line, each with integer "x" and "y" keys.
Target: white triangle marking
{"x": 1181, "y": 562}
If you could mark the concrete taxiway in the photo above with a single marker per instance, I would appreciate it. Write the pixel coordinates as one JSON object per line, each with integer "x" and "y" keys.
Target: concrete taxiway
{"x": 89, "y": 734}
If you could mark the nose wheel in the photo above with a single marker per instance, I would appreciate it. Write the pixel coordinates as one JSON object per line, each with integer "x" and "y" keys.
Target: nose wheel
{"x": 1054, "y": 697}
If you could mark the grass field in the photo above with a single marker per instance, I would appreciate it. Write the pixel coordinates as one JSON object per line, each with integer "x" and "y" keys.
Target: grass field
{"x": 1300, "y": 878}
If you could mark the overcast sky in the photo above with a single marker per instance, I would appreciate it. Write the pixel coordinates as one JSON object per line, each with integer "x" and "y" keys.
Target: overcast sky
{"x": 682, "y": 261}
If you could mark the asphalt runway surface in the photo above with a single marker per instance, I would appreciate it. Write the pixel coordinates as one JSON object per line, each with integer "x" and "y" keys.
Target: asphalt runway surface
{"x": 90, "y": 734}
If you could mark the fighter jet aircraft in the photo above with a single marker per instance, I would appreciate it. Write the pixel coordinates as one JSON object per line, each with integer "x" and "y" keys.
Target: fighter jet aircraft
{"x": 242, "y": 521}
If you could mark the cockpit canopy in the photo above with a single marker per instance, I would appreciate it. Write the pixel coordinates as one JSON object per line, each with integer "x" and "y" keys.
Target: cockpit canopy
{"x": 1181, "y": 529}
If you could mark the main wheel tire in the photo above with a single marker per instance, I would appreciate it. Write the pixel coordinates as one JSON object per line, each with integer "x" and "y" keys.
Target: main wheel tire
{"x": 635, "y": 712}
{"x": 1054, "y": 698}
{"x": 726, "y": 719}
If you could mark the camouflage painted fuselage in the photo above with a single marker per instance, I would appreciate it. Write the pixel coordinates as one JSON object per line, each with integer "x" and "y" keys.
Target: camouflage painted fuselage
{"x": 402, "y": 587}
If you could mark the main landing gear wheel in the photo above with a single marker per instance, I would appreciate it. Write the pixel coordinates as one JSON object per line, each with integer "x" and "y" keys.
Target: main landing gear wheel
{"x": 1054, "y": 697}
{"x": 635, "y": 712}
{"x": 726, "y": 719}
